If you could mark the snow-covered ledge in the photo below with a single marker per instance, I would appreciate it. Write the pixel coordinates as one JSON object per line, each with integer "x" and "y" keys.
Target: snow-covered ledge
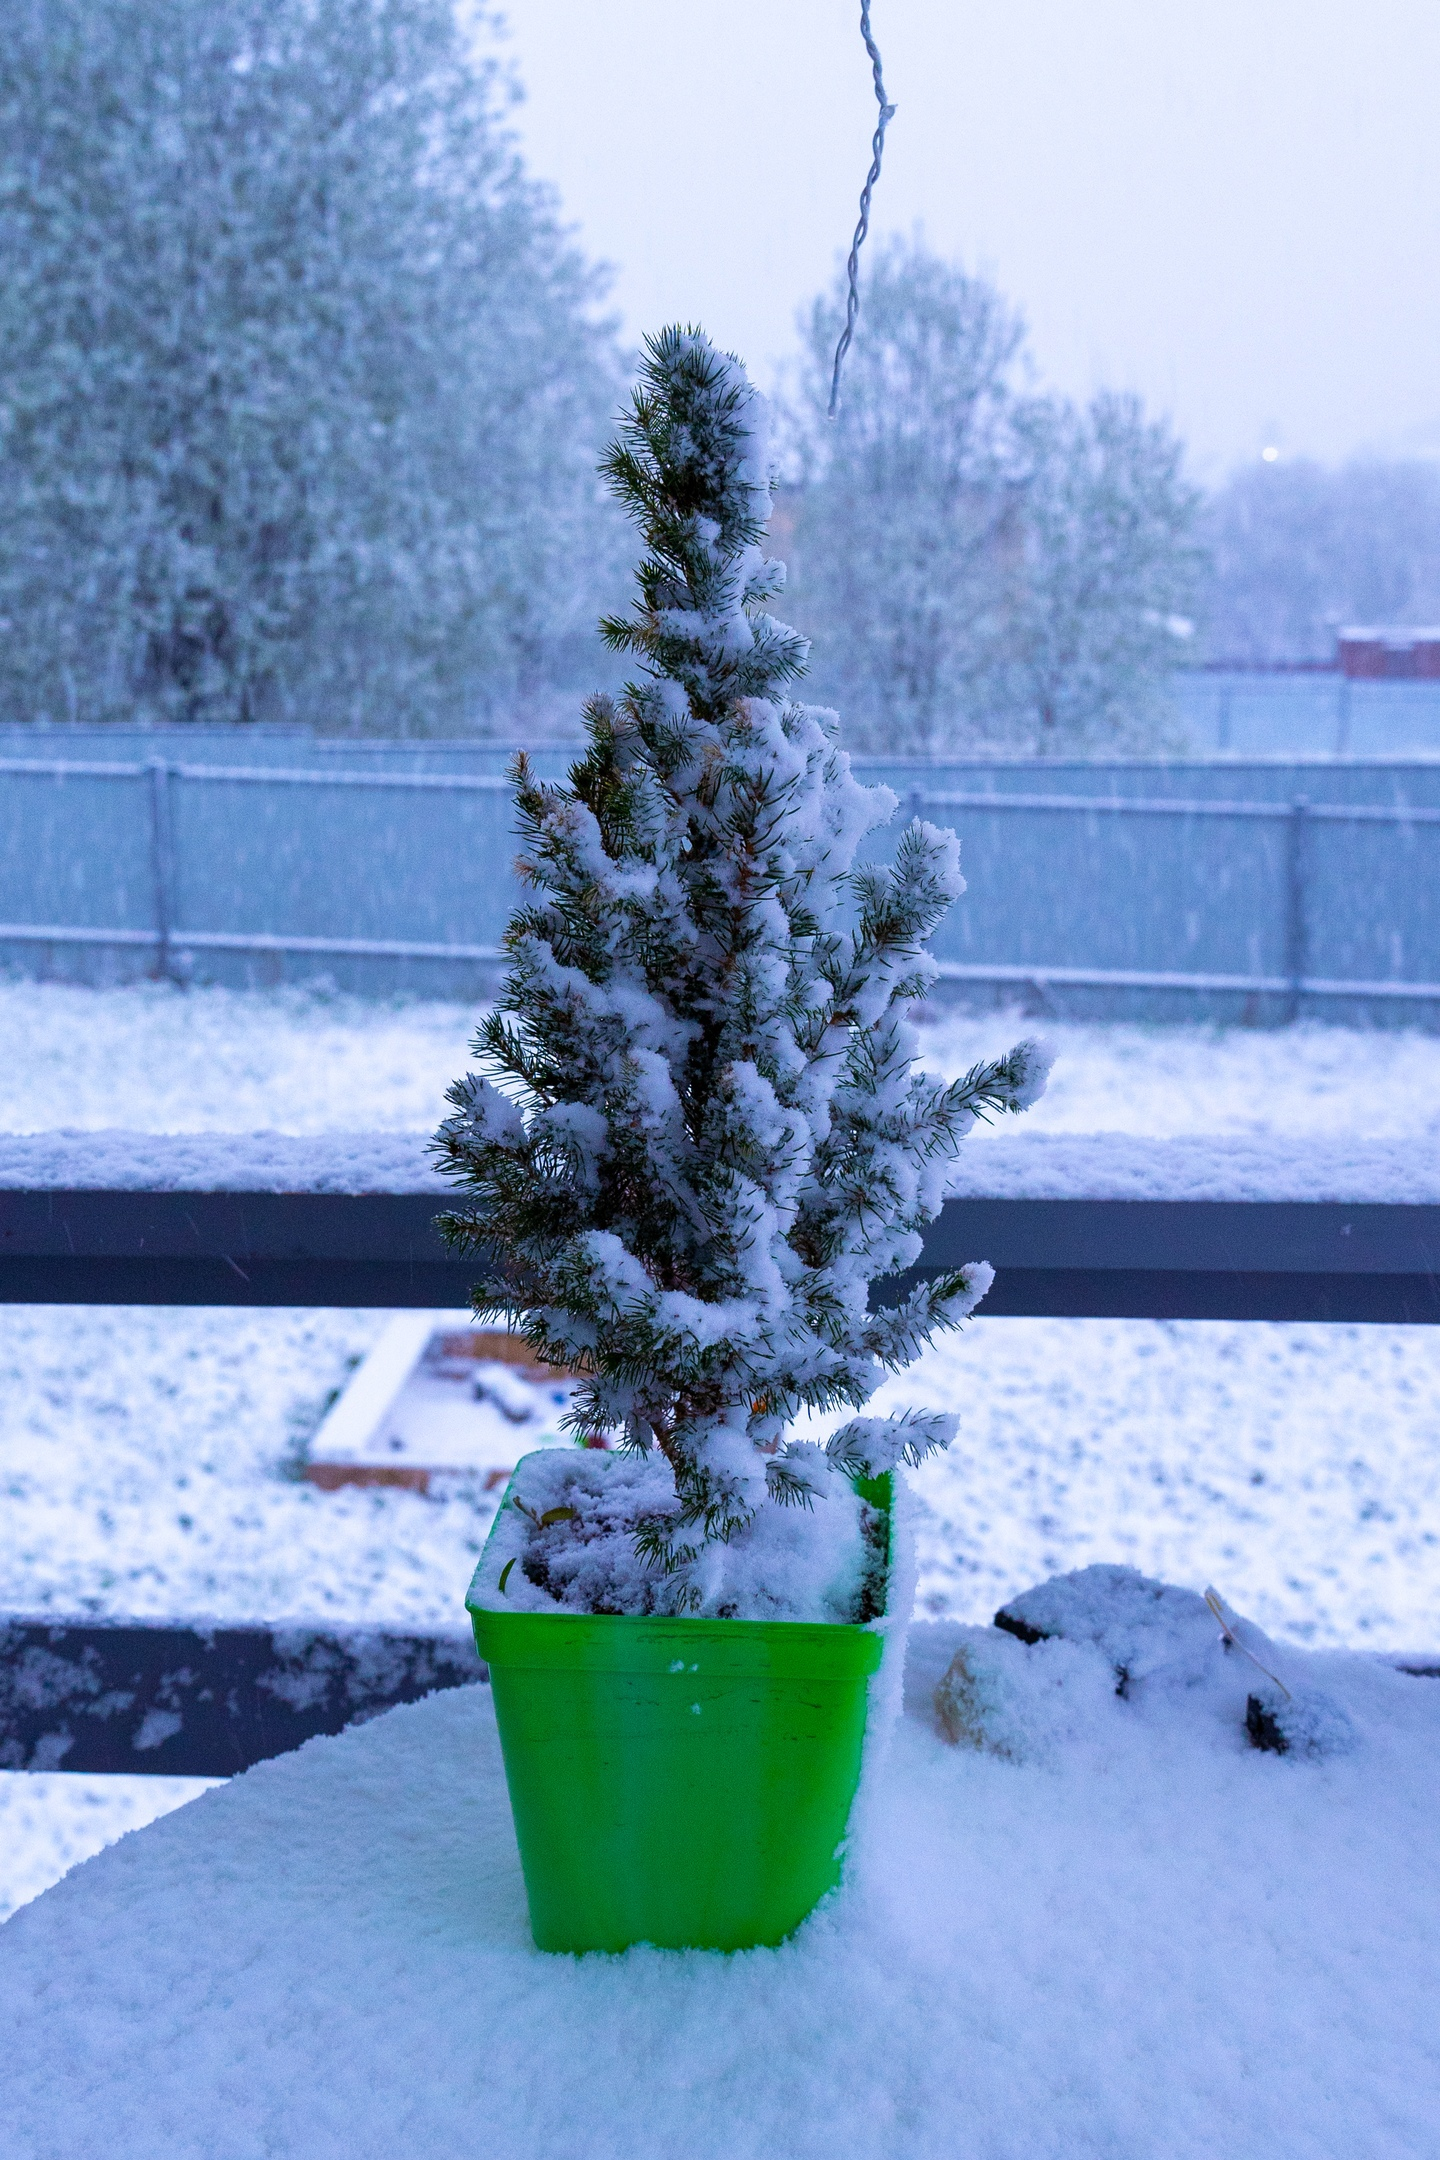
{"x": 1262, "y": 1166}
{"x": 1128, "y": 1933}
{"x": 993, "y": 1166}
{"x": 342, "y": 1162}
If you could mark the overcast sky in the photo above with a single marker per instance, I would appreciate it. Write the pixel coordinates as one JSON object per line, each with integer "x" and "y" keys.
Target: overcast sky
{"x": 1228, "y": 205}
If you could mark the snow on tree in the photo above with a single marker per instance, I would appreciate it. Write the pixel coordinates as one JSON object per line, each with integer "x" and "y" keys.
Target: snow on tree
{"x": 1109, "y": 572}
{"x": 1300, "y": 550}
{"x": 977, "y": 563}
{"x": 301, "y": 383}
{"x": 700, "y": 1136}
{"x": 906, "y": 517}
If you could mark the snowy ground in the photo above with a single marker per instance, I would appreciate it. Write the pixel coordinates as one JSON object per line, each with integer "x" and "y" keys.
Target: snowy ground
{"x": 147, "y": 1457}
{"x": 159, "y": 1060}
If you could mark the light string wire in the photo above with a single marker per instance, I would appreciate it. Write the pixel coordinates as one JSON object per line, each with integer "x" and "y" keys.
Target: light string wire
{"x": 877, "y": 152}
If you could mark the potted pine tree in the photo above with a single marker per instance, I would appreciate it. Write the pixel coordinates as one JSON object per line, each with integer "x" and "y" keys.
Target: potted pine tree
{"x": 696, "y": 1141}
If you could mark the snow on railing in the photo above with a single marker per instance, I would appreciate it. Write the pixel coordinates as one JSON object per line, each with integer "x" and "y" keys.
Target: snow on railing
{"x": 1075, "y": 1226}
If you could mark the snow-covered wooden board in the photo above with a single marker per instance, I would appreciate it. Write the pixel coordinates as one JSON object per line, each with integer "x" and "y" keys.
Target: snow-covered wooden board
{"x": 437, "y": 1395}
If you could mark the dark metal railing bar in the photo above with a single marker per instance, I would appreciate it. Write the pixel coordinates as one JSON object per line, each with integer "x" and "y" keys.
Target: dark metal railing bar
{"x": 1156, "y": 1259}
{"x": 178, "y": 1698}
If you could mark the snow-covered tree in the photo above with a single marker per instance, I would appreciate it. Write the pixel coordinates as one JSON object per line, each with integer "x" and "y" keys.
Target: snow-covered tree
{"x": 300, "y": 383}
{"x": 1300, "y": 550}
{"x": 906, "y": 524}
{"x": 978, "y": 563}
{"x": 1109, "y": 573}
{"x": 699, "y": 1136}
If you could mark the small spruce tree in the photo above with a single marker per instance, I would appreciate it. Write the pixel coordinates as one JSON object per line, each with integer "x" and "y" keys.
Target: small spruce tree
{"x": 701, "y": 1137}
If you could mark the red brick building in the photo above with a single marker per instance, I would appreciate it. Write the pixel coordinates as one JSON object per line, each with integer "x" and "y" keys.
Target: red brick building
{"x": 1393, "y": 654}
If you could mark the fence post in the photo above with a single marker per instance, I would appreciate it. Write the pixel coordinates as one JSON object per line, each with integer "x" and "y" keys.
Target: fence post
{"x": 162, "y": 866}
{"x": 1297, "y": 913}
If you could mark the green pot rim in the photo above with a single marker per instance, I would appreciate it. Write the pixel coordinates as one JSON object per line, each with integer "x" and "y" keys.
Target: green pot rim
{"x": 622, "y": 1642}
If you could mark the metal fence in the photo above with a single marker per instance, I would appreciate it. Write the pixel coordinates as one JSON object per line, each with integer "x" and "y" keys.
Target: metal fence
{"x": 191, "y": 865}
{"x": 1252, "y": 710}
{"x": 1156, "y": 905}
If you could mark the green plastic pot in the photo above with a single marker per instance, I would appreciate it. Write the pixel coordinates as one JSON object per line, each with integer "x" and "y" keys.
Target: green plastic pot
{"x": 679, "y": 1782}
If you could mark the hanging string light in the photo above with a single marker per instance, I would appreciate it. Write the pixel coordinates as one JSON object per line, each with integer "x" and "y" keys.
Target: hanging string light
{"x": 877, "y": 152}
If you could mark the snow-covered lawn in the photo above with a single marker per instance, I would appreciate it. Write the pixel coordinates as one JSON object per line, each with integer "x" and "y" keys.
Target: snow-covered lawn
{"x": 160, "y": 1060}
{"x": 147, "y": 1456}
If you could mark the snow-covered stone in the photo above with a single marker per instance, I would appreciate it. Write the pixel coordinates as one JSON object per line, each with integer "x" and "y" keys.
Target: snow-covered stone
{"x": 1022, "y": 1701}
{"x": 1137, "y": 1625}
{"x": 1155, "y": 1642}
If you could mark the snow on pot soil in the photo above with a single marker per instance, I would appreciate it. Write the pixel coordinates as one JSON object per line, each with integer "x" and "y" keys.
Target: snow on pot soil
{"x": 147, "y": 1456}
{"x": 566, "y": 1542}
{"x": 1131, "y": 1934}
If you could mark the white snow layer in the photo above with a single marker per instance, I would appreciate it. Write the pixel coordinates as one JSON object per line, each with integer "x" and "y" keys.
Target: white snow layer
{"x": 162, "y": 1060}
{"x": 341, "y": 1162}
{"x": 1004, "y": 1166}
{"x": 165, "y": 1060}
{"x": 1154, "y": 1940}
{"x": 1264, "y": 1166}
{"x": 565, "y": 1541}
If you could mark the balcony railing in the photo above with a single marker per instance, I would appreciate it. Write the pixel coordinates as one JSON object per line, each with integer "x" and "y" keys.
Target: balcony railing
{"x": 185, "y": 1699}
